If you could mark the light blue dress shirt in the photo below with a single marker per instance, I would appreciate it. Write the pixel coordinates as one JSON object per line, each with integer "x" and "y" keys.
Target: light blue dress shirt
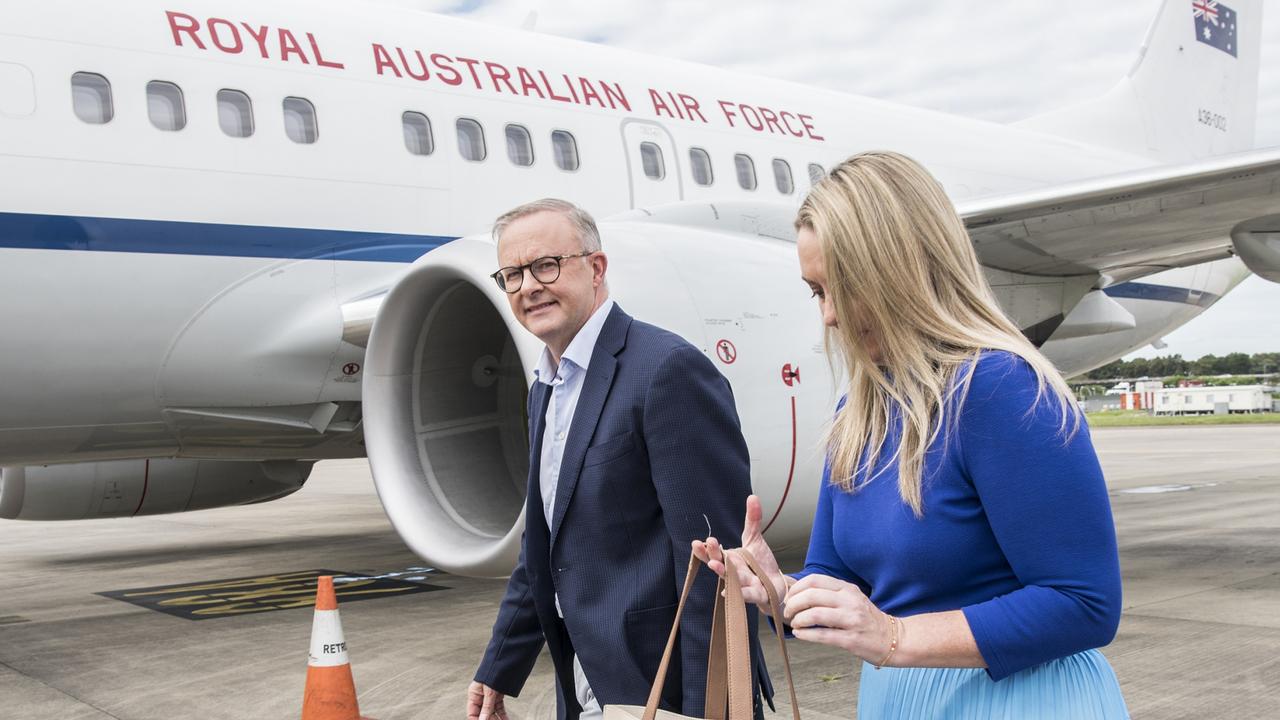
{"x": 566, "y": 385}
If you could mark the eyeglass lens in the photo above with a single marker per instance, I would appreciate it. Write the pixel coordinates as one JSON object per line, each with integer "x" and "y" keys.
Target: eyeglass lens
{"x": 545, "y": 270}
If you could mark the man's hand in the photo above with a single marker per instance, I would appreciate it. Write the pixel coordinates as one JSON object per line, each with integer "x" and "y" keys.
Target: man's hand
{"x": 753, "y": 541}
{"x": 484, "y": 703}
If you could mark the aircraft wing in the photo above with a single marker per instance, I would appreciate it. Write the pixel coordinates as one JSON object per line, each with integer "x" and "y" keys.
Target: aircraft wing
{"x": 1136, "y": 223}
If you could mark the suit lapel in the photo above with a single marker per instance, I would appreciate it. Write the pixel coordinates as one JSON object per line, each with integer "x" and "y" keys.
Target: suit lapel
{"x": 595, "y": 389}
{"x": 539, "y": 399}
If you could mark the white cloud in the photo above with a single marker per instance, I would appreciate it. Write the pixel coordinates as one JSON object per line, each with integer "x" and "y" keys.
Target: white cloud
{"x": 999, "y": 62}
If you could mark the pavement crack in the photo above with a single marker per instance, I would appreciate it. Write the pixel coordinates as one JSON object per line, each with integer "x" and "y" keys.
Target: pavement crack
{"x": 59, "y": 690}
{"x": 1132, "y": 608}
{"x": 391, "y": 679}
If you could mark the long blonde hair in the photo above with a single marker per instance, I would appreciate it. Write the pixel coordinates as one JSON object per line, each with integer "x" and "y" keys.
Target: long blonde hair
{"x": 900, "y": 265}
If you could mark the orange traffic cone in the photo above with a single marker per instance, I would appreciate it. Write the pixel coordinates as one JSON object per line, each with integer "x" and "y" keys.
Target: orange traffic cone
{"x": 330, "y": 692}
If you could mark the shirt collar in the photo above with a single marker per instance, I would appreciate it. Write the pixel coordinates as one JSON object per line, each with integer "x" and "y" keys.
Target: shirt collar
{"x": 580, "y": 348}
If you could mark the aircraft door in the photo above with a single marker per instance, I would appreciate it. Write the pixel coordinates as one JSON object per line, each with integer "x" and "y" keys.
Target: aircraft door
{"x": 653, "y": 167}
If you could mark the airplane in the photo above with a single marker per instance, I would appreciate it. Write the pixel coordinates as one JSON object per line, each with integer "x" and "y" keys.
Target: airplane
{"x": 237, "y": 238}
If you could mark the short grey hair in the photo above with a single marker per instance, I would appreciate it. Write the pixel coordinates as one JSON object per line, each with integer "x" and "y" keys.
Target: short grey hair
{"x": 581, "y": 220}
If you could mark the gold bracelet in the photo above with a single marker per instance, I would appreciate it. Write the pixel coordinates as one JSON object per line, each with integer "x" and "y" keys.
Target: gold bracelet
{"x": 893, "y": 642}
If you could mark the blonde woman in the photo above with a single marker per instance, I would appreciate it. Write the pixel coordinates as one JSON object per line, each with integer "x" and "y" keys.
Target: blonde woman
{"x": 963, "y": 545}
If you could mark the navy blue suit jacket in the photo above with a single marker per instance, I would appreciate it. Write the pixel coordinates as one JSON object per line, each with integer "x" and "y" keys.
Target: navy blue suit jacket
{"x": 655, "y": 445}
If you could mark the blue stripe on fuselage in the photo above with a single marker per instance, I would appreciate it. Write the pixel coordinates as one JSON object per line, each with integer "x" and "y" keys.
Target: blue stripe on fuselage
{"x": 64, "y": 232}
{"x": 1161, "y": 293}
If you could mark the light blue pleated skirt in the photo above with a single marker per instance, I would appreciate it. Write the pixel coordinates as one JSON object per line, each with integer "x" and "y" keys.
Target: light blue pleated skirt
{"x": 1078, "y": 686}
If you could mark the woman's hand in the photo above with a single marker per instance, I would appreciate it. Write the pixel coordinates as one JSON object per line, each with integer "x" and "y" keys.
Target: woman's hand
{"x": 825, "y": 610}
{"x": 711, "y": 553}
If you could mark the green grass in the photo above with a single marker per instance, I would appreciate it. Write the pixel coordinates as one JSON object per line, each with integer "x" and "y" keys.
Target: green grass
{"x": 1140, "y": 418}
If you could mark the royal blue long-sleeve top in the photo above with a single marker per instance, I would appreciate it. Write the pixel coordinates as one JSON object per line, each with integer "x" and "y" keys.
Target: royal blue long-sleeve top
{"x": 1016, "y": 530}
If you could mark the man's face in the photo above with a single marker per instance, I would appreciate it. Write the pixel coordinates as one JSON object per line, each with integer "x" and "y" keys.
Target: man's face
{"x": 556, "y": 311}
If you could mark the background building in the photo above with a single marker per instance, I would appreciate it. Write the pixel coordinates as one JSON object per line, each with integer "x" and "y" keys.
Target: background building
{"x": 1222, "y": 399}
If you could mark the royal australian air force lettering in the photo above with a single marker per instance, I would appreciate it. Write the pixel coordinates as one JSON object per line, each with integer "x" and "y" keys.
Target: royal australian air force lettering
{"x": 447, "y": 67}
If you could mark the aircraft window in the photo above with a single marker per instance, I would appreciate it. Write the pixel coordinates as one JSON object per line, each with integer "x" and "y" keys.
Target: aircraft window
{"x": 782, "y": 176}
{"x": 700, "y": 163}
{"x": 417, "y": 133}
{"x": 235, "y": 113}
{"x": 300, "y": 120}
{"x": 746, "y": 168}
{"x": 165, "y": 106}
{"x": 651, "y": 159}
{"x": 566, "y": 150}
{"x": 91, "y": 98}
{"x": 471, "y": 140}
{"x": 519, "y": 145}
{"x": 816, "y": 173}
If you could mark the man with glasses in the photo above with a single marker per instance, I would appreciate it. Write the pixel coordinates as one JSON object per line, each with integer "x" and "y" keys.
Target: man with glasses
{"x": 635, "y": 451}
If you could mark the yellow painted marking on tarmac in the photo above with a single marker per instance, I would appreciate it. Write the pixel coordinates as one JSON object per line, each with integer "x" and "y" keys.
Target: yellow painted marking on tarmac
{"x": 258, "y": 594}
{"x": 265, "y": 580}
{"x": 245, "y": 607}
{"x": 264, "y": 594}
{"x": 241, "y": 608}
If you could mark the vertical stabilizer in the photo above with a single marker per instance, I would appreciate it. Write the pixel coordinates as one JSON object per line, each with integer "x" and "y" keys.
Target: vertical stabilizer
{"x": 1192, "y": 93}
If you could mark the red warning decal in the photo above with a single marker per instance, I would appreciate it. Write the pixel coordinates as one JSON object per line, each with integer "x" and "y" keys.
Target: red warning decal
{"x": 726, "y": 352}
{"x": 790, "y": 376}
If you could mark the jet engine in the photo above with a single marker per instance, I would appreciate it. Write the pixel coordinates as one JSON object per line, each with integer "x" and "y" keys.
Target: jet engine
{"x": 1257, "y": 242}
{"x": 125, "y": 488}
{"x": 444, "y": 411}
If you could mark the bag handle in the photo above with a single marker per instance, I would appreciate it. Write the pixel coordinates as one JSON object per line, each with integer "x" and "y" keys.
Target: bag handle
{"x": 737, "y": 650}
{"x": 717, "y": 692}
{"x": 729, "y": 657}
{"x": 715, "y": 698}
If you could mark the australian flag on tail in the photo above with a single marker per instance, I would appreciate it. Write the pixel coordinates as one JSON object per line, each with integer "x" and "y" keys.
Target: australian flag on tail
{"x": 1215, "y": 25}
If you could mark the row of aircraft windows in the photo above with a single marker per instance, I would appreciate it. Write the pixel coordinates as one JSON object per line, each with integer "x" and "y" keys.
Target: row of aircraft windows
{"x": 744, "y": 167}
{"x": 418, "y": 139}
{"x": 92, "y": 102}
{"x": 166, "y": 108}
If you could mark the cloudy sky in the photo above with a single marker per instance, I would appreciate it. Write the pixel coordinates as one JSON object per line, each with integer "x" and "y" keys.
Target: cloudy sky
{"x": 999, "y": 62}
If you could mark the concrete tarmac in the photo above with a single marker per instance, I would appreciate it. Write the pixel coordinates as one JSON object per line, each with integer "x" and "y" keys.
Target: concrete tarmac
{"x": 1197, "y": 511}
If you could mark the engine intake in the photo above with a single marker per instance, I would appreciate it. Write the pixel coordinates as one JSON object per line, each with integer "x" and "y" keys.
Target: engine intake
{"x": 1257, "y": 242}
{"x": 445, "y": 421}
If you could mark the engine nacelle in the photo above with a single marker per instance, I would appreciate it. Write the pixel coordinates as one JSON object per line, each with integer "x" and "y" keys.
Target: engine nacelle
{"x": 125, "y": 488}
{"x": 444, "y": 412}
{"x": 1257, "y": 242}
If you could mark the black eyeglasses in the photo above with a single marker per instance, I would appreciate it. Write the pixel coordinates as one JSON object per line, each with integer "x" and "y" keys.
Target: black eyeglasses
{"x": 546, "y": 270}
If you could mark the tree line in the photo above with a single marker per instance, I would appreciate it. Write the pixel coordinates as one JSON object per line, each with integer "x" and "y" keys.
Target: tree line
{"x": 1231, "y": 364}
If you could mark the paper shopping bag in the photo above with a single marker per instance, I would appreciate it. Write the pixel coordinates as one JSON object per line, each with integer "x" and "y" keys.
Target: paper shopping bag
{"x": 729, "y": 686}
